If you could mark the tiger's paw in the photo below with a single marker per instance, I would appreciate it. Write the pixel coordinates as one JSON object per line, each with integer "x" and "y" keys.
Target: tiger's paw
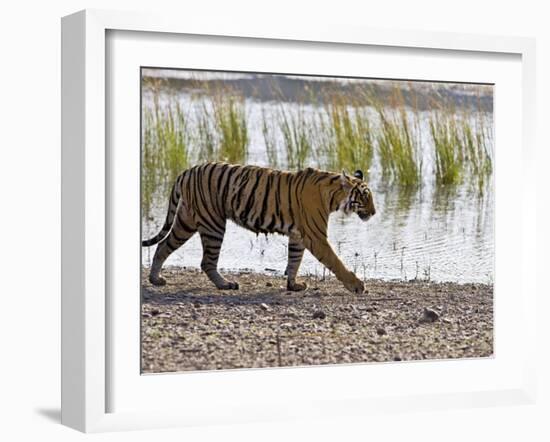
{"x": 157, "y": 280}
{"x": 229, "y": 285}
{"x": 295, "y": 286}
{"x": 355, "y": 286}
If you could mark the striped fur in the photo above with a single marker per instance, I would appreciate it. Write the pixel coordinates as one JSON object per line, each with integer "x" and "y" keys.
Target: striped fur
{"x": 263, "y": 200}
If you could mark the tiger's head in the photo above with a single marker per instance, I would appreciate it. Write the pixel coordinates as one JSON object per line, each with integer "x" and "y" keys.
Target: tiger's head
{"x": 359, "y": 199}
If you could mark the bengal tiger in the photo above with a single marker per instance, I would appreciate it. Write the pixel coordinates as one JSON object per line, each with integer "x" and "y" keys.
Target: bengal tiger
{"x": 263, "y": 200}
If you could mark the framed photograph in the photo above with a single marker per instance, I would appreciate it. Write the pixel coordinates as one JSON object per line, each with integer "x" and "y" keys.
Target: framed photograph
{"x": 279, "y": 223}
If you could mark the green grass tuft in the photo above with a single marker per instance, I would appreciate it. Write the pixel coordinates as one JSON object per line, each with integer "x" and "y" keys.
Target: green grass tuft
{"x": 449, "y": 153}
{"x": 398, "y": 142}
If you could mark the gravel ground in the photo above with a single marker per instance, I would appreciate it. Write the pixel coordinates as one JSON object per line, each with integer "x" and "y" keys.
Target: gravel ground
{"x": 190, "y": 325}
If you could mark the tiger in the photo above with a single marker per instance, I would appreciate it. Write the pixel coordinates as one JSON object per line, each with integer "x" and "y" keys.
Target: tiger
{"x": 262, "y": 200}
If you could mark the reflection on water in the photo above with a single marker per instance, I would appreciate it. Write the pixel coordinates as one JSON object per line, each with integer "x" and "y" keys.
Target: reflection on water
{"x": 444, "y": 236}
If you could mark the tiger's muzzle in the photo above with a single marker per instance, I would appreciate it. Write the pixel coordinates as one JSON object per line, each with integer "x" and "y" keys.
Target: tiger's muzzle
{"x": 366, "y": 215}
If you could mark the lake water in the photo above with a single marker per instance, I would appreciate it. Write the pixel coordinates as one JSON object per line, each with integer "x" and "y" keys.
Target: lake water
{"x": 430, "y": 233}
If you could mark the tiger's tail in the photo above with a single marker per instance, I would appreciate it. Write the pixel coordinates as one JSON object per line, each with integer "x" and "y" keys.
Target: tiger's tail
{"x": 175, "y": 196}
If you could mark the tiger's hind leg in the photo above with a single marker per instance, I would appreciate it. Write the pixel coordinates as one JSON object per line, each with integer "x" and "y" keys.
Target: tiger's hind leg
{"x": 181, "y": 231}
{"x": 295, "y": 254}
{"x": 211, "y": 245}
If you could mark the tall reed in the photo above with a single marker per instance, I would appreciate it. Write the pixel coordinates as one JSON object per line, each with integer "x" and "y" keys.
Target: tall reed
{"x": 297, "y": 134}
{"x": 166, "y": 147}
{"x": 477, "y": 142}
{"x": 325, "y": 152}
{"x": 449, "y": 154}
{"x": 352, "y": 137}
{"x": 462, "y": 145}
{"x": 221, "y": 131}
{"x": 204, "y": 134}
{"x": 398, "y": 141}
{"x": 270, "y": 140}
{"x": 230, "y": 119}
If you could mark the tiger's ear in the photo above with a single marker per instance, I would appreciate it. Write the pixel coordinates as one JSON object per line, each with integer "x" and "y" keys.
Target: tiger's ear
{"x": 358, "y": 174}
{"x": 344, "y": 179}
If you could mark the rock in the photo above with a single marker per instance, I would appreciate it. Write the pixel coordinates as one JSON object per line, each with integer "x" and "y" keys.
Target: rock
{"x": 269, "y": 284}
{"x": 319, "y": 314}
{"x": 430, "y": 315}
{"x": 381, "y": 331}
{"x": 155, "y": 312}
{"x": 264, "y": 306}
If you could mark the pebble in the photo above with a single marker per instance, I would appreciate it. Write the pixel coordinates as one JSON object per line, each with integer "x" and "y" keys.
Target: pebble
{"x": 430, "y": 315}
{"x": 319, "y": 314}
{"x": 380, "y": 331}
{"x": 269, "y": 284}
{"x": 264, "y": 306}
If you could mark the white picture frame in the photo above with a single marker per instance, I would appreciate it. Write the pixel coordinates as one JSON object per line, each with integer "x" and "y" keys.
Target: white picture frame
{"x": 85, "y": 307}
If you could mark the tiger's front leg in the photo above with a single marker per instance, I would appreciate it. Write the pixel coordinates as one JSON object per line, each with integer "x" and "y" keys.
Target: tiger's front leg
{"x": 321, "y": 249}
{"x": 295, "y": 254}
{"x": 211, "y": 245}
